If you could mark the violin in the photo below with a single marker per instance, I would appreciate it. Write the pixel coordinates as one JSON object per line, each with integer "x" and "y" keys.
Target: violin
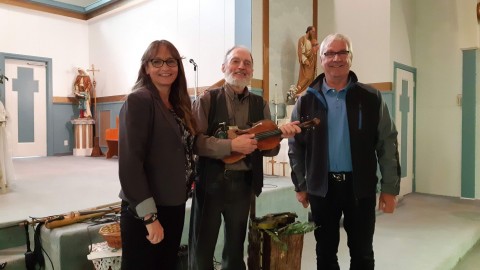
{"x": 267, "y": 134}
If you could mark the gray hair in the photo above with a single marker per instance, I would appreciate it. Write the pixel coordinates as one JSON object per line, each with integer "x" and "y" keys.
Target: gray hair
{"x": 225, "y": 60}
{"x": 330, "y": 38}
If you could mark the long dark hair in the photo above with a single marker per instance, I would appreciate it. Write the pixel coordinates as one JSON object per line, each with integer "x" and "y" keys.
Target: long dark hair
{"x": 179, "y": 97}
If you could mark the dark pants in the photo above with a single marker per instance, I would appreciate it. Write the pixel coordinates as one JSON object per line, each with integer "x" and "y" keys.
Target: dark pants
{"x": 138, "y": 253}
{"x": 358, "y": 221}
{"x": 227, "y": 196}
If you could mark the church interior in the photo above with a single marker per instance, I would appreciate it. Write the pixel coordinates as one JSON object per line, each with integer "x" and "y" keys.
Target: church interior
{"x": 424, "y": 61}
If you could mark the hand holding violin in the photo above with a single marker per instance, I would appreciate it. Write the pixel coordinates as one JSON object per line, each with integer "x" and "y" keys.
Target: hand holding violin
{"x": 244, "y": 144}
{"x": 264, "y": 135}
{"x": 290, "y": 129}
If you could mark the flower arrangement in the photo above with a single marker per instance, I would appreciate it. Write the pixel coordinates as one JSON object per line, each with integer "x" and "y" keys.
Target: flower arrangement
{"x": 292, "y": 95}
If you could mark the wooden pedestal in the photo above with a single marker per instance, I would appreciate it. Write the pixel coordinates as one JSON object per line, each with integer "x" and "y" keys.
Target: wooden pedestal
{"x": 83, "y": 132}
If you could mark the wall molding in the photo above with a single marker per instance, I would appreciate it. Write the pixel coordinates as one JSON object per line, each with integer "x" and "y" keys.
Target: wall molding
{"x": 382, "y": 86}
{"x": 256, "y": 83}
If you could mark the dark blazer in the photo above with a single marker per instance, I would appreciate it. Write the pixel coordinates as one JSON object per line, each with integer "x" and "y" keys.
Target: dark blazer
{"x": 151, "y": 154}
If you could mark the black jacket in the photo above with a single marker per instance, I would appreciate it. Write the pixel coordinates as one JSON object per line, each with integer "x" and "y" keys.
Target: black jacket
{"x": 372, "y": 135}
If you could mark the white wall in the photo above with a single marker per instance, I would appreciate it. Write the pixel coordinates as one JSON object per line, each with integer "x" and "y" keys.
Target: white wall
{"x": 288, "y": 22}
{"x": 114, "y": 42}
{"x": 201, "y": 32}
{"x": 34, "y": 33}
{"x": 257, "y": 38}
{"x": 440, "y": 37}
{"x": 367, "y": 23}
{"x": 402, "y": 36}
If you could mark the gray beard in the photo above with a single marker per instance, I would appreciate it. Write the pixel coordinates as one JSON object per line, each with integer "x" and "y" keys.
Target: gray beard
{"x": 237, "y": 83}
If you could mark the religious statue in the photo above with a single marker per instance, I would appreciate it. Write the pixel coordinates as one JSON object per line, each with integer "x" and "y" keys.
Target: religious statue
{"x": 82, "y": 88}
{"x": 6, "y": 165}
{"x": 307, "y": 57}
{"x": 292, "y": 95}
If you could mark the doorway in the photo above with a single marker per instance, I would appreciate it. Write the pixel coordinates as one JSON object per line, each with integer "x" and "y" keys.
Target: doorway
{"x": 27, "y": 96}
{"x": 404, "y": 116}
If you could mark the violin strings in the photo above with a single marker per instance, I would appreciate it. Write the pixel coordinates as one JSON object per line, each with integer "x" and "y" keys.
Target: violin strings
{"x": 266, "y": 134}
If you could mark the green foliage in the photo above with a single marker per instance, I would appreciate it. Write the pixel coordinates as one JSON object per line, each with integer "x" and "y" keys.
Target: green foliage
{"x": 293, "y": 228}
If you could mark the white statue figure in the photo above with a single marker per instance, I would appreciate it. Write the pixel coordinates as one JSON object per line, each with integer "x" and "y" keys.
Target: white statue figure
{"x": 6, "y": 166}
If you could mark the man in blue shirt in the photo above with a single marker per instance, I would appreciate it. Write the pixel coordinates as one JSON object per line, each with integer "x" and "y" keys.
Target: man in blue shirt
{"x": 334, "y": 165}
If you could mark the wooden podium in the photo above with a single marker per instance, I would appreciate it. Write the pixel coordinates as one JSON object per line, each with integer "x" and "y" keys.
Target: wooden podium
{"x": 83, "y": 132}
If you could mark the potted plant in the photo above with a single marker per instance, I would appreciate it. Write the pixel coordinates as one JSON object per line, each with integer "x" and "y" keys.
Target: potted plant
{"x": 276, "y": 241}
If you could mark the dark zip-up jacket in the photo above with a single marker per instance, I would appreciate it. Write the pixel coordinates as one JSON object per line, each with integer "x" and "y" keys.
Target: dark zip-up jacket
{"x": 373, "y": 140}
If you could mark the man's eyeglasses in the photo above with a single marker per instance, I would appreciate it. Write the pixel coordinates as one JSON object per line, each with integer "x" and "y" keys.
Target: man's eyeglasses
{"x": 340, "y": 54}
{"x": 157, "y": 62}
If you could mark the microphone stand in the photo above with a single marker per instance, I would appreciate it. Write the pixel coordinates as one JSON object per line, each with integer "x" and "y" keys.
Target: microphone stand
{"x": 195, "y": 69}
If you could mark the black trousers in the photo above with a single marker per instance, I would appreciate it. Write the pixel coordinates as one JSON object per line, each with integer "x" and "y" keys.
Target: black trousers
{"x": 227, "y": 196}
{"x": 358, "y": 221}
{"x": 138, "y": 253}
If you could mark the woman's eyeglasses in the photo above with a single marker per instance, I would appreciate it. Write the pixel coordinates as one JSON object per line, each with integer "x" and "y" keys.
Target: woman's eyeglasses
{"x": 157, "y": 62}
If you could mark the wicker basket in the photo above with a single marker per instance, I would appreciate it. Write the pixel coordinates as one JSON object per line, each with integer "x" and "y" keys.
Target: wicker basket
{"x": 111, "y": 234}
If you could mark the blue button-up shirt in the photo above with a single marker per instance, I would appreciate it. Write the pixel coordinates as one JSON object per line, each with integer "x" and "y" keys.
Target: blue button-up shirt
{"x": 340, "y": 157}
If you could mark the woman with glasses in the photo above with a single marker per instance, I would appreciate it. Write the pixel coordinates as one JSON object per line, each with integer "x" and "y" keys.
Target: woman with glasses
{"x": 156, "y": 166}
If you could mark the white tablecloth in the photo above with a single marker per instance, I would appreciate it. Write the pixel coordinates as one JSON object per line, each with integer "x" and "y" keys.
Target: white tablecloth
{"x": 105, "y": 257}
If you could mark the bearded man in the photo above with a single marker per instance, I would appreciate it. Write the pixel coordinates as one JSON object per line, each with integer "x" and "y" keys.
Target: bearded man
{"x": 225, "y": 189}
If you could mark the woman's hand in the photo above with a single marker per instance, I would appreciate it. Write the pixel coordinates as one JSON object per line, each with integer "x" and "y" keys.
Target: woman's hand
{"x": 155, "y": 232}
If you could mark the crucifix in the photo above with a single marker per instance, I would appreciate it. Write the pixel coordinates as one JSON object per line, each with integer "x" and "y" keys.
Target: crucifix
{"x": 94, "y": 87}
{"x": 96, "y": 152}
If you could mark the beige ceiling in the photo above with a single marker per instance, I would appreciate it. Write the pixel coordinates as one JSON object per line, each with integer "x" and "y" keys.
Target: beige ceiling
{"x": 80, "y": 3}
{"x": 81, "y": 9}
{"x": 75, "y": 5}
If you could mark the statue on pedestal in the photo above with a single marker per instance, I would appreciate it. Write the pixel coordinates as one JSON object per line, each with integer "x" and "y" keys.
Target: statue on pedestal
{"x": 82, "y": 89}
{"x": 307, "y": 57}
{"x": 292, "y": 95}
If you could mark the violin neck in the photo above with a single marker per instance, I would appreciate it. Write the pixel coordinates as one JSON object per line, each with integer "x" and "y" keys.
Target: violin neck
{"x": 276, "y": 132}
{"x": 267, "y": 134}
